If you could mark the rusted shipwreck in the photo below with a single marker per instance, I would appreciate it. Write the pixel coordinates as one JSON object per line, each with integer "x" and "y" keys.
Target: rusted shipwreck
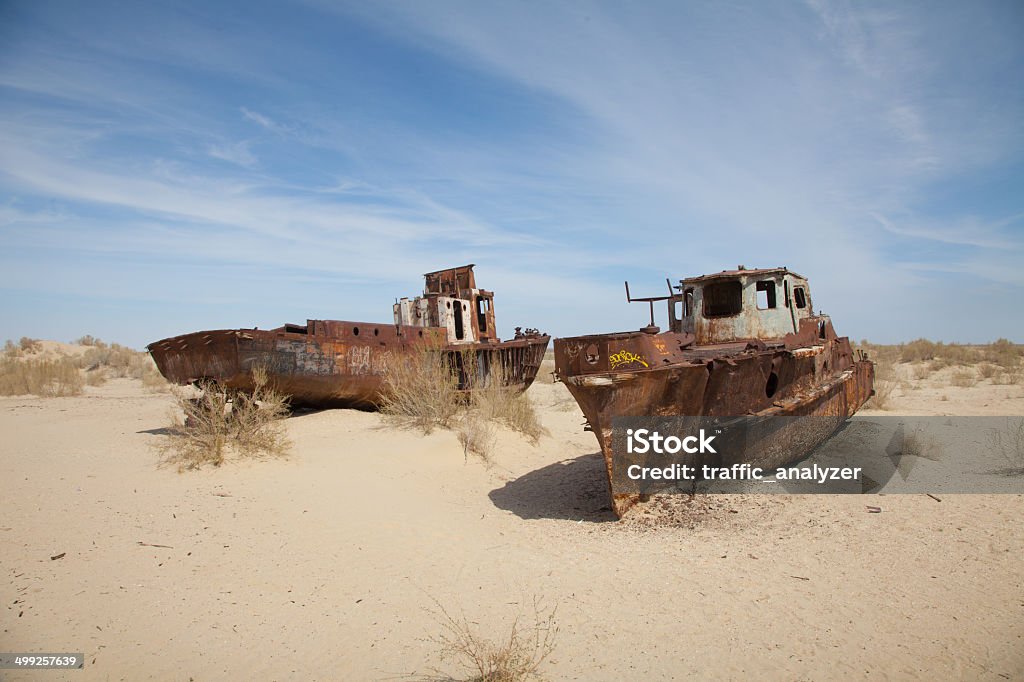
{"x": 741, "y": 342}
{"x": 337, "y": 363}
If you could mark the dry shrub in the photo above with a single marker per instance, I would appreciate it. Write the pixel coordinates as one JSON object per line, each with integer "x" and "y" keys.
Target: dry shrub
{"x": 508, "y": 405}
{"x": 1004, "y": 353}
{"x": 1008, "y": 443}
{"x": 47, "y": 378}
{"x": 251, "y": 426}
{"x": 987, "y": 370}
{"x": 516, "y": 657}
{"x": 922, "y": 371}
{"x": 476, "y": 435}
{"x": 883, "y": 395}
{"x": 95, "y": 378}
{"x": 1006, "y": 378}
{"x": 152, "y": 378}
{"x": 115, "y": 360}
{"x": 917, "y": 444}
{"x": 28, "y": 345}
{"x": 88, "y": 340}
{"x": 421, "y": 389}
{"x": 886, "y": 382}
{"x": 947, "y": 353}
{"x": 917, "y": 350}
{"x": 964, "y": 378}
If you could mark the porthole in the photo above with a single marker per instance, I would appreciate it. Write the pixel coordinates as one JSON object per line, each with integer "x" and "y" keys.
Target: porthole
{"x": 772, "y": 385}
{"x": 355, "y": 331}
{"x": 591, "y": 354}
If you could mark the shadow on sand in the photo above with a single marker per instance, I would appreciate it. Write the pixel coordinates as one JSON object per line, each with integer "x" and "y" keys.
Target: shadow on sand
{"x": 575, "y": 489}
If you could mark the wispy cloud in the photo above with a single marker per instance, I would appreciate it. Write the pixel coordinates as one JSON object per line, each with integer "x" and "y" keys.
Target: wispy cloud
{"x": 563, "y": 148}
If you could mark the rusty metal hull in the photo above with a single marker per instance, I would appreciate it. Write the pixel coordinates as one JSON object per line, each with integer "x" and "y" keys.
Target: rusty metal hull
{"x": 639, "y": 374}
{"x": 330, "y": 363}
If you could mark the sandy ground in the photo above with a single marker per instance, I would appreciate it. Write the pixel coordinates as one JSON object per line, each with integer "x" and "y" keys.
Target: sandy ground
{"x": 329, "y": 564}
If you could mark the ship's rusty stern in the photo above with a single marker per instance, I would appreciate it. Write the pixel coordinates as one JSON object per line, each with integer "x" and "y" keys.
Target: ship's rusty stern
{"x": 337, "y": 363}
{"x": 742, "y": 342}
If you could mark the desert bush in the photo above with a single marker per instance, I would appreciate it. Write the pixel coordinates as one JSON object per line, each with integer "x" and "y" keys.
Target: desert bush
{"x": 476, "y": 435}
{"x": 1008, "y": 443}
{"x": 115, "y": 360}
{"x": 47, "y": 378}
{"x": 917, "y": 350}
{"x": 29, "y": 345}
{"x": 250, "y": 426}
{"x": 95, "y": 378}
{"x": 987, "y": 370}
{"x": 421, "y": 389}
{"x": 964, "y": 378}
{"x": 922, "y": 371}
{"x": 883, "y": 395}
{"x": 89, "y": 340}
{"x": 498, "y": 402}
{"x": 948, "y": 354}
{"x": 1003, "y": 353}
{"x": 151, "y": 377}
{"x": 515, "y": 658}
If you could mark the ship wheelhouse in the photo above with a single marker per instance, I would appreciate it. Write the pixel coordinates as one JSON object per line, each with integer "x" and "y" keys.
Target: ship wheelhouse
{"x": 740, "y": 304}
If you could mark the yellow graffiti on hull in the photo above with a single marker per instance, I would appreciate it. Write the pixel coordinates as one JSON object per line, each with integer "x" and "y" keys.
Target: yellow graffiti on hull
{"x": 624, "y": 357}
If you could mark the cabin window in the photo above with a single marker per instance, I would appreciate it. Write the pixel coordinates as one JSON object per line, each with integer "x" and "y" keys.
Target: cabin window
{"x": 765, "y": 295}
{"x": 723, "y": 299}
{"x": 482, "y": 306}
{"x": 688, "y": 302}
{"x": 459, "y": 331}
{"x": 800, "y": 297}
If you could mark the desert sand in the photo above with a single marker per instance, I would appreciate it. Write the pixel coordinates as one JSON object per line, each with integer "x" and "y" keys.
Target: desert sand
{"x": 331, "y": 563}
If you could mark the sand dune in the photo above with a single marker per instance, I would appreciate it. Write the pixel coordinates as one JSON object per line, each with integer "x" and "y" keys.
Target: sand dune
{"x": 329, "y": 563}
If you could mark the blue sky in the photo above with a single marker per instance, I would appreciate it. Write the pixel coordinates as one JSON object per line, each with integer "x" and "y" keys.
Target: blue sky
{"x": 170, "y": 167}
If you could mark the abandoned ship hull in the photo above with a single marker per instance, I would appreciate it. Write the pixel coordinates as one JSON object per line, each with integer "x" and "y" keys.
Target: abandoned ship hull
{"x": 812, "y": 373}
{"x": 331, "y": 363}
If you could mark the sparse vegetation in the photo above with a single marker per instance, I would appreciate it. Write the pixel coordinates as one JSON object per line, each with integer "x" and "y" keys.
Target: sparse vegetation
{"x": 102, "y": 362}
{"x": 29, "y": 369}
{"x": 49, "y": 378}
{"x": 28, "y": 345}
{"x": 907, "y": 366}
{"x": 964, "y": 378}
{"x": 883, "y": 394}
{"x": 922, "y": 371}
{"x": 476, "y": 435}
{"x": 1009, "y": 444}
{"x": 515, "y": 658}
{"x": 421, "y": 391}
{"x": 212, "y": 429}
{"x": 509, "y": 406}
